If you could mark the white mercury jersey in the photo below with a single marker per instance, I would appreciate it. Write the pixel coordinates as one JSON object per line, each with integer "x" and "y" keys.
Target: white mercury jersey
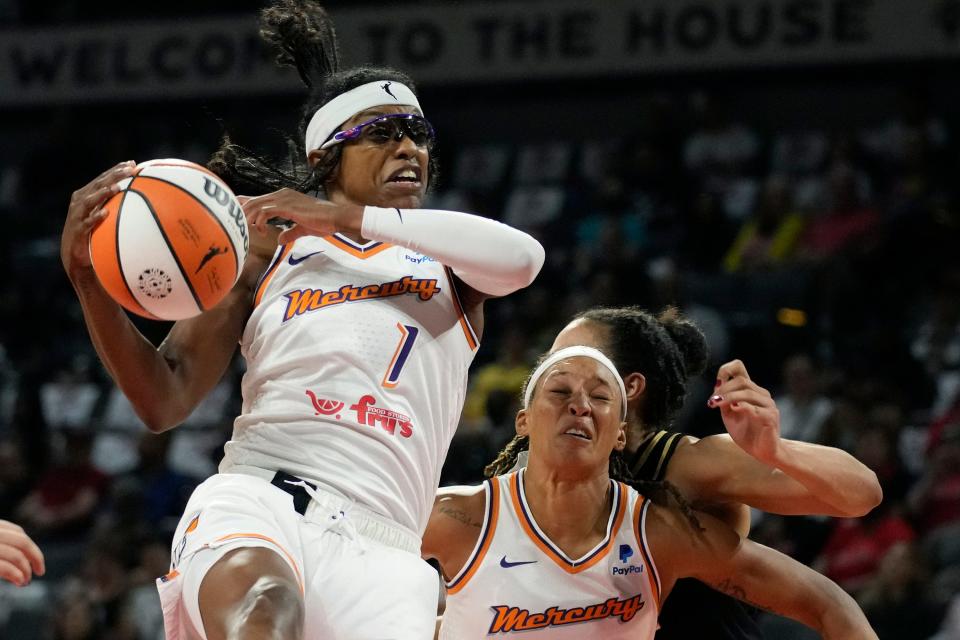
{"x": 517, "y": 583}
{"x": 357, "y": 359}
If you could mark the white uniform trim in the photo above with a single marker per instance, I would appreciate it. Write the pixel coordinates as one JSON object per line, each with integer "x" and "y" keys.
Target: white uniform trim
{"x": 651, "y": 563}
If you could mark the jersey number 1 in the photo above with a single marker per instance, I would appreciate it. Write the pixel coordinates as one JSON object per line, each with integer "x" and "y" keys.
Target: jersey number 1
{"x": 408, "y": 335}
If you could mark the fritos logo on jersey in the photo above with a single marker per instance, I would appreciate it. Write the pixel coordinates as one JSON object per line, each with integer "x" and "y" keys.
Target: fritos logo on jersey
{"x": 371, "y": 415}
{"x": 301, "y": 301}
{"x": 507, "y": 619}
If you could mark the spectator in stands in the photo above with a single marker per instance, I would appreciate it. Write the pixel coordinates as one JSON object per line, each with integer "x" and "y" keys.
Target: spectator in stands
{"x": 936, "y": 341}
{"x": 803, "y": 409}
{"x": 141, "y": 605}
{"x": 848, "y": 218}
{"x": 852, "y": 554}
{"x": 66, "y": 497}
{"x": 15, "y": 476}
{"x": 896, "y": 601}
{"x": 950, "y": 629}
{"x": 935, "y": 498}
{"x": 706, "y": 233}
{"x": 719, "y": 149}
{"x": 507, "y": 372}
{"x": 68, "y": 400}
{"x": 164, "y": 491}
{"x": 75, "y": 616}
{"x": 767, "y": 239}
{"x": 934, "y": 501}
{"x": 876, "y": 447}
{"x": 894, "y": 140}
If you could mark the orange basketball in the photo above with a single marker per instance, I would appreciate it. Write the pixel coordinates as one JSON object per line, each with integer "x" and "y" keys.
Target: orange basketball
{"x": 173, "y": 241}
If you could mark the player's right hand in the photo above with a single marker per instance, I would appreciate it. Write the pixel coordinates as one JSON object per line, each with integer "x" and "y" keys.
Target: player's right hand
{"x": 20, "y": 557}
{"x": 749, "y": 412}
{"x": 86, "y": 212}
{"x": 311, "y": 216}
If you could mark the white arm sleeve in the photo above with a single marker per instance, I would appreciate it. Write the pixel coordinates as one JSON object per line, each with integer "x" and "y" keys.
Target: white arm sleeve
{"x": 488, "y": 255}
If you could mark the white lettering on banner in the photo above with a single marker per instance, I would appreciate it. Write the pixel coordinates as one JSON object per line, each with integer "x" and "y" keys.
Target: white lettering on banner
{"x": 483, "y": 41}
{"x": 137, "y": 60}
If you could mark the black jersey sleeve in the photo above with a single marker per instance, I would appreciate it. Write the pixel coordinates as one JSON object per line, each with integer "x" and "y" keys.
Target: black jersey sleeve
{"x": 653, "y": 455}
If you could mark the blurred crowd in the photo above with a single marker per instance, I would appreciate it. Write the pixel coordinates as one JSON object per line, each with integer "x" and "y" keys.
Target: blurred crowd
{"x": 824, "y": 255}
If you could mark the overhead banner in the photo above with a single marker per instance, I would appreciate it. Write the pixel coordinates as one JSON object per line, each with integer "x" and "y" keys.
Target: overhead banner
{"x": 477, "y": 42}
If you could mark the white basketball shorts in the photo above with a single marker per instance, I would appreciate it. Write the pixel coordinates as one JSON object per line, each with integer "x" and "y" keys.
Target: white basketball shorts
{"x": 361, "y": 575}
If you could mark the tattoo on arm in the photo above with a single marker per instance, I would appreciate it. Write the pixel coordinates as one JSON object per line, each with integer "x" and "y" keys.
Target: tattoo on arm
{"x": 459, "y": 515}
{"x": 736, "y": 591}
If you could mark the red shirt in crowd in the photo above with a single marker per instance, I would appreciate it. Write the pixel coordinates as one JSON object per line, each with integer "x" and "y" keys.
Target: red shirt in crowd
{"x": 854, "y": 549}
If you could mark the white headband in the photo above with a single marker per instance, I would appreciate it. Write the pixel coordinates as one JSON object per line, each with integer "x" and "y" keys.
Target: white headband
{"x": 570, "y": 352}
{"x": 330, "y": 116}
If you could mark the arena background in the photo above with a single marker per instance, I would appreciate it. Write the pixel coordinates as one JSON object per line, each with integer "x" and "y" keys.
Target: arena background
{"x": 785, "y": 171}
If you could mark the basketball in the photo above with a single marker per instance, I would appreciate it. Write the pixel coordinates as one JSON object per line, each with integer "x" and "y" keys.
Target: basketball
{"x": 173, "y": 241}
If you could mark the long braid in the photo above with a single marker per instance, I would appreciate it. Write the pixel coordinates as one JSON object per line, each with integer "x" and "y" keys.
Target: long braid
{"x": 507, "y": 458}
{"x": 305, "y": 38}
{"x": 250, "y": 173}
{"x": 666, "y": 348}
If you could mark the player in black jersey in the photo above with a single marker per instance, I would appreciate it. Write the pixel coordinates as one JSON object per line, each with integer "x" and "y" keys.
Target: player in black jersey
{"x": 722, "y": 474}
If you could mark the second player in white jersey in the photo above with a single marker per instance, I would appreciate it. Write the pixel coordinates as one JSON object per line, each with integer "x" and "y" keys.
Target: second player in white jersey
{"x": 562, "y": 549}
{"x": 340, "y": 343}
{"x": 531, "y": 587}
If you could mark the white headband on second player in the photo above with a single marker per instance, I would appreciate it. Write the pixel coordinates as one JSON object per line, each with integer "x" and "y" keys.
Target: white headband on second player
{"x": 330, "y": 116}
{"x": 571, "y": 352}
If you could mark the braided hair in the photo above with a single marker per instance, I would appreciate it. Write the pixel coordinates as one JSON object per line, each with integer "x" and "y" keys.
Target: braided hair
{"x": 302, "y": 33}
{"x": 667, "y": 348}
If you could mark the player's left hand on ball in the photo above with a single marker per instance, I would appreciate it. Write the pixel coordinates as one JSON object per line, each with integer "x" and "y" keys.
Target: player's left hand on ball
{"x": 20, "y": 557}
{"x": 749, "y": 413}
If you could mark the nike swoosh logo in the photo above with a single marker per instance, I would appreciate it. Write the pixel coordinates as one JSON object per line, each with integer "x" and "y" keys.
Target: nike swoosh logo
{"x": 295, "y": 261}
{"x": 506, "y": 564}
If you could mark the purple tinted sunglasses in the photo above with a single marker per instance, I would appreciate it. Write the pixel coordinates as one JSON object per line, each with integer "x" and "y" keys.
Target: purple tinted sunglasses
{"x": 383, "y": 129}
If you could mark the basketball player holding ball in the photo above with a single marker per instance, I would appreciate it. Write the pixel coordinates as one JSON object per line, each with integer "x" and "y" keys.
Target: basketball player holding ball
{"x": 357, "y": 331}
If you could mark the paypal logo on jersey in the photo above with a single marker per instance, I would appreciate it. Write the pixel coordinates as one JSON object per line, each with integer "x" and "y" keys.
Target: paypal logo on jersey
{"x": 418, "y": 258}
{"x": 626, "y": 552}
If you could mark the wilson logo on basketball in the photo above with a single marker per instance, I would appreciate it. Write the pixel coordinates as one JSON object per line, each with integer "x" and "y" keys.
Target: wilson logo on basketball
{"x": 234, "y": 210}
{"x": 325, "y": 407}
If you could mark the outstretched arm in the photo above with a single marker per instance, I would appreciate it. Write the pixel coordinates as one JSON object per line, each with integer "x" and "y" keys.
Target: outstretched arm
{"x": 752, "y": 573}
{"x": 491, "y": 257}
{"x": 754, "y": 465}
